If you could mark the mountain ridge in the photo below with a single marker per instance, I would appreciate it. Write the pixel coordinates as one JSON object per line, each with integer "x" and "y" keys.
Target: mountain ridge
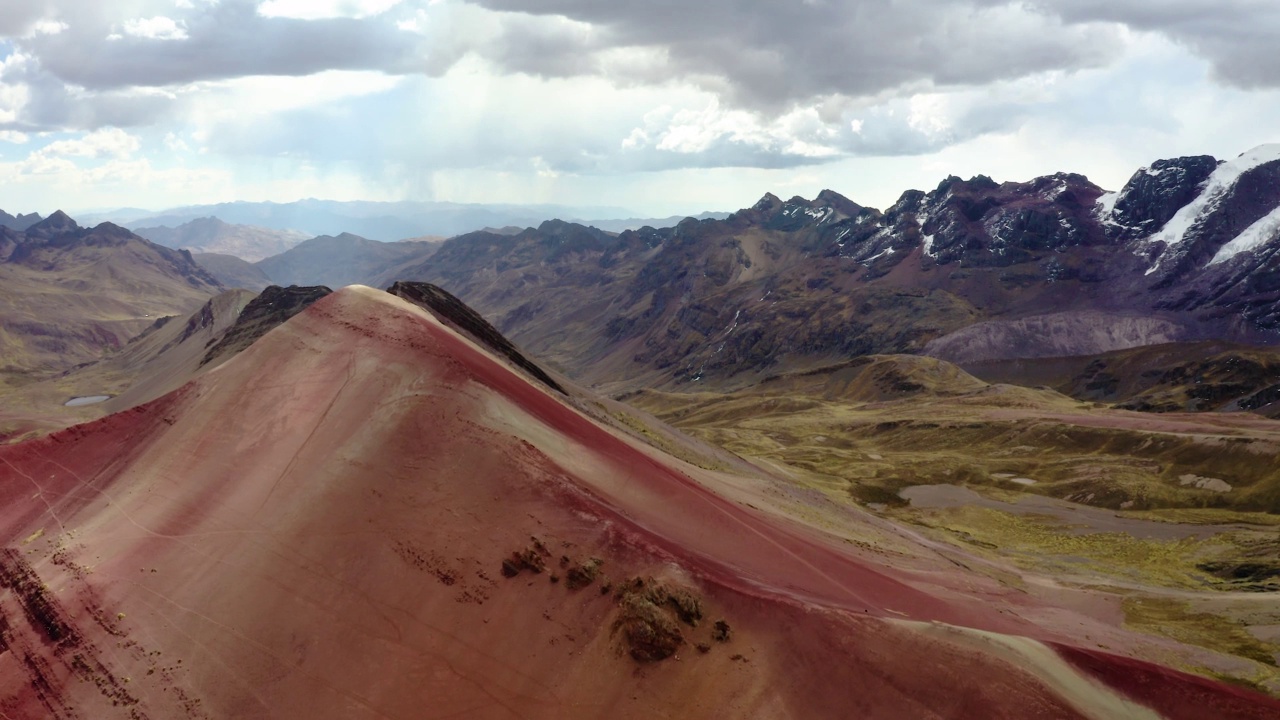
{"x": 69, "y": 294}
{"x": 810, "y": 281}
{"x": 383, "y": 221}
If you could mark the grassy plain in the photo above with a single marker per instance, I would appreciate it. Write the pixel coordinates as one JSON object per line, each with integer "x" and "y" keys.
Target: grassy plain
{"x": 1173, "y": 515}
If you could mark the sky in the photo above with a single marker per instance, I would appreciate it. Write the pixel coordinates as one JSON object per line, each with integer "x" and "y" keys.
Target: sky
{"x": 657, "y": 106}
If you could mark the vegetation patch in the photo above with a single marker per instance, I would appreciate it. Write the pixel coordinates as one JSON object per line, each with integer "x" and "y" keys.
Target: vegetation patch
{"x": 583, "y": 573}
{"x": 1175, "y": 619}
{"x": 532, "y": 558}
{"x": 650, "y": 616}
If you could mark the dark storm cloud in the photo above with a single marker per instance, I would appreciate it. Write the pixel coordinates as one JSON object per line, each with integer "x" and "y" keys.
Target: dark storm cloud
{"x": 226, "y": 40}
{"x": 767, "y": 54}
{"x": 1238, "y": 37}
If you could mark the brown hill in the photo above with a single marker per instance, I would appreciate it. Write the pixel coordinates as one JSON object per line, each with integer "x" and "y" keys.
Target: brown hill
{"x": 233, "y": 272}
{"x": 873, "y": 378}
{"x": 342, "y": 260}
{"x": 164, "y": 357}
{"x": 365, "y": 489}
{"x": 69, "y": 294}
{"x": 1172, "y": 377}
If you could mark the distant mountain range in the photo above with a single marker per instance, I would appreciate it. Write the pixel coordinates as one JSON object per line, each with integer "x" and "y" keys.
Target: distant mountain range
{"x": 385, "y": 221}
{"x": 211, "y": 235}
{"x": 18, "y": 222}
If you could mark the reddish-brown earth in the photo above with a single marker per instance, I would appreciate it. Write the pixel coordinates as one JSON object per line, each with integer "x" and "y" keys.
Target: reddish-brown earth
{"x": 318, "y": 528}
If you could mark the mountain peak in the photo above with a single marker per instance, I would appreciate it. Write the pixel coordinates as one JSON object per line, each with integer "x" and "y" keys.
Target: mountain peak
{"x": 56, "y": 224}
{"x": 1260, "y": 155}
{"x": 18, "y": 222}
{"x": 838, "y": 202}
{"x": 768, "y": 202}
{"x": 211, "y": 221}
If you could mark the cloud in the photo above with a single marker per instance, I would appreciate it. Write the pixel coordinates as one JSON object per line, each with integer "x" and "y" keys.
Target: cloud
{"x": 109, "y": 143}
{"x": 317, "y": 9}
{"x": 1238, "y": 37}
{"x": 226, "y": 40}
{"x": 47, "y": 27}
{"x": 399, "y": 96}
{"x": 770, "y": 56}
{"x": 19, "y": 16}
{"x": 155, "y": 28}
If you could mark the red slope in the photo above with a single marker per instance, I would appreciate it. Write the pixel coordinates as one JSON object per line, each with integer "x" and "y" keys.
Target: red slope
{"x": 315, "y": 530}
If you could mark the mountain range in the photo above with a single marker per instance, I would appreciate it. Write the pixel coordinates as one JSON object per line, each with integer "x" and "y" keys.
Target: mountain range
{"x": 386, "y": 221}
{"x": 972, "y": 271}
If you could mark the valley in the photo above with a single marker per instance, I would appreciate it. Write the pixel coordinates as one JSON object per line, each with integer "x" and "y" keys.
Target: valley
{"x": 1036, "y": 489}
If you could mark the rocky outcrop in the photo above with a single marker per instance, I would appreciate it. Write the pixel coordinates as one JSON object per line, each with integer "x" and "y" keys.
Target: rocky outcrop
{"x": 271, "y": 308}
{"x": 455, "y": 313}
{"x": 1154, "y": 194}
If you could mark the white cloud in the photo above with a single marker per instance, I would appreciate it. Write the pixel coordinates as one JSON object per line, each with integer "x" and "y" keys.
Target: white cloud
{"x": 175, "y": 143}
{"x": 691, "y": 131}
{"x": 263, "y": 96}
{"x": 14, "y": 95}
{"x": 155, "y": 28}
{"x": 47, "y": 27}
{"x": 99, "y": 144}
{"x": 320, "y": 9}
{"x": 14, "y": 137}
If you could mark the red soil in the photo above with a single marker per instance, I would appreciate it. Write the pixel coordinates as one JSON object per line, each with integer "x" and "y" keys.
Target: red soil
{"x": 1176, "y": 695}
{"x": 316, "y": 529}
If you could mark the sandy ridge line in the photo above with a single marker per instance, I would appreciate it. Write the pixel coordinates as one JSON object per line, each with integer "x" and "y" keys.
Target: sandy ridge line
{"x": 1092, "y": 698}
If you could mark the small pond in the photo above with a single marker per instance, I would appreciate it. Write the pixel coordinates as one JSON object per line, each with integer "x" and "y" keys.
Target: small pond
{"x": 86, "y": 400}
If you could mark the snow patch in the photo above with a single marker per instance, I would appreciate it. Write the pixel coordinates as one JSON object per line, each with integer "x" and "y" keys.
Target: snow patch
{"x": 818, "y": 214}
{"x": 877, "y": 256}
{"x": 1215, "y": 189}
{"x": 1107, "y": 205}
{"x": 927, "y": 246}
{"x": 1255, "y": 236}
